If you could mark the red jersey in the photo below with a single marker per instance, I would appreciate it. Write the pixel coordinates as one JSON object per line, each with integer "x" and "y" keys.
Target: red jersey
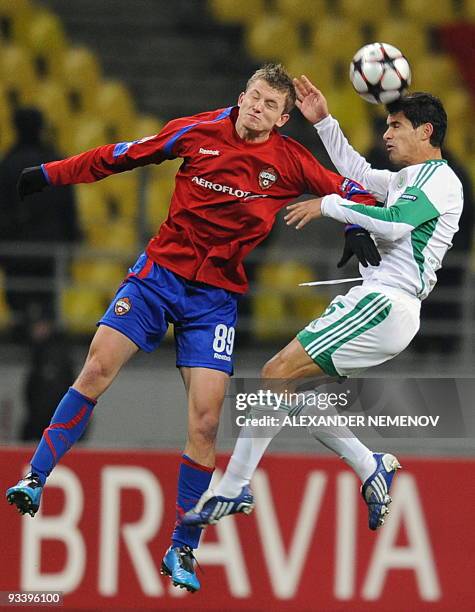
{"x": 227, "y": 191}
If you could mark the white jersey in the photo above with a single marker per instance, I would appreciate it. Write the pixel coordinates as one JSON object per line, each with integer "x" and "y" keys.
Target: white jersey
{"x": 413, "y": 229}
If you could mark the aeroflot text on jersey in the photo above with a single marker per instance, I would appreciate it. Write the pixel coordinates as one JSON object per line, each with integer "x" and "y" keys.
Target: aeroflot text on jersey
{"x": 238, "y": 193}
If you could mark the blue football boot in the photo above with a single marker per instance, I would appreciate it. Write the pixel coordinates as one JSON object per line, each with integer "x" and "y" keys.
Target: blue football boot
{"x": 375, "y": 490}
{"x": 211, "y": 508}
{"x": 179, "y": 564}
{"x": 26, "y": 495}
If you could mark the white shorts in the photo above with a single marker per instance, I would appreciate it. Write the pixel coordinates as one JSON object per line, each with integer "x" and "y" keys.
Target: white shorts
{"x": 365, "y": 327}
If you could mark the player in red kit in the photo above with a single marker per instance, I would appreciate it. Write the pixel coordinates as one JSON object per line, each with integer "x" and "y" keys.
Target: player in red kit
{"x": 237, "y": 173}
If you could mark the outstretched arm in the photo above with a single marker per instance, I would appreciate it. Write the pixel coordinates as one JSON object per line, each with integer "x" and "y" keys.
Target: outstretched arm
{"x": 92, "y": 165}
{"x": 312, "y": 104}
{"x": 388, "y": 223}
{"x": 103, "y": 161}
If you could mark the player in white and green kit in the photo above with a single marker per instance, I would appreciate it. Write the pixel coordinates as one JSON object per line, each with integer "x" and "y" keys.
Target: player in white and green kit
{"x": 422, "y": 204}
{"x": 413, "y": 229}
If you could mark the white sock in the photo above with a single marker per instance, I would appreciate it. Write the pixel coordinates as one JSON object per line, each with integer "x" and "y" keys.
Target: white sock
{"x": 343, "y": 442}
{"x": 247, "y": 454}
{"x": 242, "y": 465}
{"x": 350, "y": 449}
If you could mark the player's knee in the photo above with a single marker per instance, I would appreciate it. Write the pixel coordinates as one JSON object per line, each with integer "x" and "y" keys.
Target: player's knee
{"x": 277, "y": 367}
{"x": 205, "y": 425}
{"x": 97, "y": 370}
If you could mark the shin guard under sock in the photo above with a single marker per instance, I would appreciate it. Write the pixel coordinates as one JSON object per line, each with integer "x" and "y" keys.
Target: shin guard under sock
{"x": 193, "y": 481}
{"x": 67, "y": 425}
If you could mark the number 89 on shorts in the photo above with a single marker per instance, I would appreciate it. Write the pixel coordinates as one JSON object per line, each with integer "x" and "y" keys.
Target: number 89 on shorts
{"x": 223, "y": 339}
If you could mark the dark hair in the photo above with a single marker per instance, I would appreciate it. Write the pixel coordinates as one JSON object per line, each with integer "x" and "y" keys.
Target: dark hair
{"x": 419, "y": 108}
{"x": 278, "y": 78}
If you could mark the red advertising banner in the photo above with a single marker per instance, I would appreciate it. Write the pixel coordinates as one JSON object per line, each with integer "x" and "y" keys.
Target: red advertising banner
{"x": 106, "y": 519}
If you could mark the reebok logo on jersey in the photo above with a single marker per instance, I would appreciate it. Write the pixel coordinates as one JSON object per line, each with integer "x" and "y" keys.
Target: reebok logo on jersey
{"x": 122, "y": 306}
{"x": 408, "y": 196}
{"x": 238, "y": 193}
{"x": 209, "y": 151}
{"x": 267, "y": 177}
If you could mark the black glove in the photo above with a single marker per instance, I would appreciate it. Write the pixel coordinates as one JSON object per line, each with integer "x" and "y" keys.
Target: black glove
{"x": 359, "y": 242}
{"x": 31, "y": 181}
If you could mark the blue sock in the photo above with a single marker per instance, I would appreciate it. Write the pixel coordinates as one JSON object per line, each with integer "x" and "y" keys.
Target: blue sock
{"x": 193, "y": 480}
{"x": 68, "y": 423}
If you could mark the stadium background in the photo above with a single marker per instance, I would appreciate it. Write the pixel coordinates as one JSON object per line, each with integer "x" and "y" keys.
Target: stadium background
{"x": 113, "y": 70}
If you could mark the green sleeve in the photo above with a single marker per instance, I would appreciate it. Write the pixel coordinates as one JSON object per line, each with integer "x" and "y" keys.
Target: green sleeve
{"x": 412, "y": 208}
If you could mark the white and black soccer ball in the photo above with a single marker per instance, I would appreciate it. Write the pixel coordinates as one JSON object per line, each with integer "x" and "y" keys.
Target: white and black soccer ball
{"x": 380, "y": 73}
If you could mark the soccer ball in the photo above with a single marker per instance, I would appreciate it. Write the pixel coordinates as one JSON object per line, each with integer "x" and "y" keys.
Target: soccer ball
{"x": 380, "y": 73}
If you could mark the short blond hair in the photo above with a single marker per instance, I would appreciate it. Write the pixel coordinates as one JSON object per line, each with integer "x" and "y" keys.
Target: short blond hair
{"x": 278, "y": 78}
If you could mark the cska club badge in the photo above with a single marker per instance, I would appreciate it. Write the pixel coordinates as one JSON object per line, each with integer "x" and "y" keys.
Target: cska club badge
{"x": 122, "y": 306}
{"x": 267, "y": 177}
